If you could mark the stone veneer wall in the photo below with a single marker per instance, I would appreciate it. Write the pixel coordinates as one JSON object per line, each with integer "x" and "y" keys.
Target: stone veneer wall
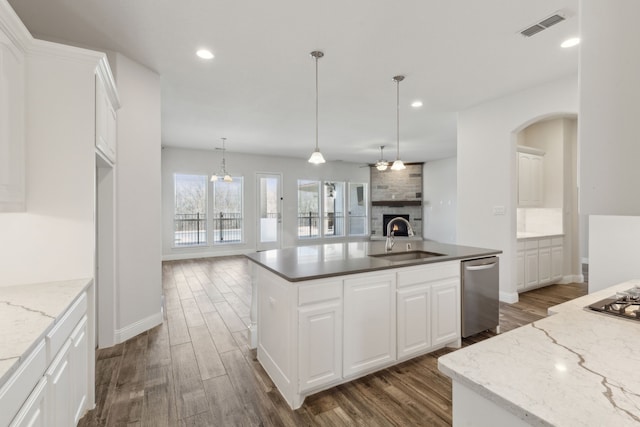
{"x": 394, "y": 187}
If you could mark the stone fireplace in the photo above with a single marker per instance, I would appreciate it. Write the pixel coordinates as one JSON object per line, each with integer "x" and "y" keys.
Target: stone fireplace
{"x": 399, "y": 227}
{"x": 396, "y": 193}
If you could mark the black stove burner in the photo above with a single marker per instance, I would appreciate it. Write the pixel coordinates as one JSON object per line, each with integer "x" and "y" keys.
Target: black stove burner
{"x": 624, "y": 304}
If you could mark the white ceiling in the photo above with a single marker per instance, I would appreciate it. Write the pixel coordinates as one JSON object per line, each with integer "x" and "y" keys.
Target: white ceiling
{"x": 258, "y": 92}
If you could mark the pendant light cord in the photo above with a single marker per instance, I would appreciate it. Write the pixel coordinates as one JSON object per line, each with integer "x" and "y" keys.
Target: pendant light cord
{"x": 397, "y": 119}
{"x": 316, "y": 103}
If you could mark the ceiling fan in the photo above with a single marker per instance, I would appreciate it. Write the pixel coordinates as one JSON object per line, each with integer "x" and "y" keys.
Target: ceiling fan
{"x": 381, "y": 164}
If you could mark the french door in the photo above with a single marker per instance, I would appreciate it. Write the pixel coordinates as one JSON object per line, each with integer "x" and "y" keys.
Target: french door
{"x": 269, "y": 206}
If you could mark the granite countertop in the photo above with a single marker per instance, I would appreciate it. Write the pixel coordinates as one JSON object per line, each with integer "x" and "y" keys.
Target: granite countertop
{"x": 27, "y": 313}
{"x": 337, "y": 259}
{"x": 575, "y": 367}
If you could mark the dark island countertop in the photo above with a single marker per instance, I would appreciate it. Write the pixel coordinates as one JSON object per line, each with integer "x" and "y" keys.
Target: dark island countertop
{"x": 337, "y": 259}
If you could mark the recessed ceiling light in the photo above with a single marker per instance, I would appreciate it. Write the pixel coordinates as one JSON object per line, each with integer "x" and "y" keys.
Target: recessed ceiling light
{"x": 570, "y": 42}
{"x": 416, "y": 104}
{"x": 204, "y": 54}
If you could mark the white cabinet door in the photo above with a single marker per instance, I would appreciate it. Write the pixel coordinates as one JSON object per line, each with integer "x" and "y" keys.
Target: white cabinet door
{"x": 34, "y": 412}
{"x": 414, "y": 320}
{"x": 59, "y": 378}
{"x": 445, "y": 307}
{"x": 531, "y": 267}
{"x": 544, "y": 265}
{"x": 12, "y": 144}
{"x": 79, "y": 365}
{"x": 320, "y": 344}
{"x": 369, "y": 323}
{"x": 520, "y": 270}
{"x": 105, "y": 122}
{"x": 530, "y": 174}
{"x": 557, "y": 261}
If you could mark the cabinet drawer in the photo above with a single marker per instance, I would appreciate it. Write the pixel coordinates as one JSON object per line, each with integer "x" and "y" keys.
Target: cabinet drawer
{"x": 531, "y": 244}
{"x": 544, "y": 243}
{"x": 428, "y": 273}
{"x": 318, "y": 292}
{"x": 15, "y": 391}
{"x": 61, "y": 331}
{"x": 557, "y": 241}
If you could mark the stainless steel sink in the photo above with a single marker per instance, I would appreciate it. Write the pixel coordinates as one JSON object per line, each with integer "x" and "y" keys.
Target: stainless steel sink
{"x": 406, "y": 256}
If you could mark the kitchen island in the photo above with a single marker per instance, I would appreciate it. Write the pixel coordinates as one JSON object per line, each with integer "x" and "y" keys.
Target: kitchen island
{"x": 574, "y": 368}
{"x": 326, "y": 314}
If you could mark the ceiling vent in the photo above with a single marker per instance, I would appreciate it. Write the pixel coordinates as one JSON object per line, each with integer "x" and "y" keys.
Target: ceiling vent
{"x": 543, "y": 25}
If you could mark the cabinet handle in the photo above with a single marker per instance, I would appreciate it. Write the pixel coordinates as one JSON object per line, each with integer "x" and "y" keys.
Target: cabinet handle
{"x": 480, "y": 267}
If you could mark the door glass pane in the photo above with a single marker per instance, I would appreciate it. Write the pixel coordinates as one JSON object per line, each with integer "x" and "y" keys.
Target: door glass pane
{"x": 308, "y": 208}
{"x": 334, "y": 209}
{"x": 358, "y": 209}
{"x": 190, "y": 219}
{"x": 268, "y": 209}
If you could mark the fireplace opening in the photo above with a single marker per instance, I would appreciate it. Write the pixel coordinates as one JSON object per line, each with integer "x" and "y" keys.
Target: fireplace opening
{"x": 399, "y": 228}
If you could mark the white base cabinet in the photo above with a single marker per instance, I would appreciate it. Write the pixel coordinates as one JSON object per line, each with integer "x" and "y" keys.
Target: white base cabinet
{"x": 539, "y": 262}
{"x": 51, "y": 387}
{"x": 316, "y": 334}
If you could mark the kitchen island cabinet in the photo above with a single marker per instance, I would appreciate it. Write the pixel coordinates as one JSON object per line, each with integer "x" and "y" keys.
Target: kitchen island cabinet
{"x": 351, "y": 314}
{"x": 574, "y": 368}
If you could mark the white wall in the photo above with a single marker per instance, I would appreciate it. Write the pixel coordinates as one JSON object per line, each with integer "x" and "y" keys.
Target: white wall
{"x": 175, "y": 160}
{"x": 609, "y": 107}
{"x": 138, "y": 200}
{"x": 613, "y": 249}
{"x": 54, "y": 239}
{"x": 440, "y": 200}
{"x": 486, "y": 170}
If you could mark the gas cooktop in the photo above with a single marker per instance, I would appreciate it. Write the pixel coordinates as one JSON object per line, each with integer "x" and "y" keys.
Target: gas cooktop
{"x": 625, "y": 304}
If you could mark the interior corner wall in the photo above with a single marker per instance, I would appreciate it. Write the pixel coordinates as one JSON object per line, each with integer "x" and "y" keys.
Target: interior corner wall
{"x": 138, "y": 200}
{"x": 486, "y": 170}
{"x": 609, "y": 107}
{"x": 440, "y": 200}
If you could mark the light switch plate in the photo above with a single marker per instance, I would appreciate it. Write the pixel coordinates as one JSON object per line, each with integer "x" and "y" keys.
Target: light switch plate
{"x": 498, "y": 210}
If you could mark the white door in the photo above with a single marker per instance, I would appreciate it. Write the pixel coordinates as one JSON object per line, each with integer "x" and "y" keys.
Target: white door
{"x": 269, "y": 206}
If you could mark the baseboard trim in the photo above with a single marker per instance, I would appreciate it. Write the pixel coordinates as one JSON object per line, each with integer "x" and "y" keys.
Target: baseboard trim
{"x": 142, "y": 325}
{"x": 509, "y": 297}
{"x": 575, "y": 278}
{"x": 196, "y": 255}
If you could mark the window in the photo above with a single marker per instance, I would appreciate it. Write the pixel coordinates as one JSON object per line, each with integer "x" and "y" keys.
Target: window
{"x": 358, "y": 205}
{"x": 333, "y": 209}
{"x": 190, "y": 218}
{"x": 227, "y": 212}
{"x": 308, "y": 208}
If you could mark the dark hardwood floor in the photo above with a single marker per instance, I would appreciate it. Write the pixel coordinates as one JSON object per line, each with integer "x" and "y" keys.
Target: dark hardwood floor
{"x": 196, "y": 369}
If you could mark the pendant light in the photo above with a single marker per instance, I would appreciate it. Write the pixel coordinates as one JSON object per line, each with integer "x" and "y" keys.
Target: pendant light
{"x": 381, "y": 164}
{"x": 398, "y": 164}
{"x": 225, "y": 175}
{"x": 316, "y": 157}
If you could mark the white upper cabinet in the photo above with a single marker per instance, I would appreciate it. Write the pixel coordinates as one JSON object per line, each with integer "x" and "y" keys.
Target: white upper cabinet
{"x": 530, "y": 179}
{"x": 12, "y": 146}
{"x": 106, "y": 119}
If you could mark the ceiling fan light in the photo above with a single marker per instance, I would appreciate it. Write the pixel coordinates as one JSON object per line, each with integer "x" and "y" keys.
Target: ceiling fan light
{"x": 316, "y": 157}
{"x": 382, "y": 166}
{"x": 398, "y": 165}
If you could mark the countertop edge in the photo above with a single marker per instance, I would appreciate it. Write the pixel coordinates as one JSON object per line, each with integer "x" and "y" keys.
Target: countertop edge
{"x": 19, "y": 359}
{"x": 391, "y": 265}
{"x": 541, "y": 236}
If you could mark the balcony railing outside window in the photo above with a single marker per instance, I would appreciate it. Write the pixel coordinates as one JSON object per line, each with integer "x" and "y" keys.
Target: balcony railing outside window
{"x": 308, "y": 225}
{"x": 227, "y": 227}
{"x": 190, "y": 229}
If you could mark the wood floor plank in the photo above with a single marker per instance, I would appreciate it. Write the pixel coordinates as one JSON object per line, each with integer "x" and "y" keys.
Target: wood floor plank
{"x": 189, "y": 391}
{"x": 230, "y": 317}
{"x": 204, "y": 302}
{"x": 222, "y": 337}
{"x": 178, "y": 330}
{"x": 225, "y": 404}
{"x": 192, "y": 314}
{"x": 209, "y": 362}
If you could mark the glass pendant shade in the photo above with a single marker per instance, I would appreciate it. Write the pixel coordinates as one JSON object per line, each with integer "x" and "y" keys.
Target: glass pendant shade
{"x": 227, "y": 178}
{"x": 398, "y": 165}
{"x": 224, "y": 175}
{"x": 381, "y": 166}
{"x": 214, "y": 177}
{"x": 316, "y": 157}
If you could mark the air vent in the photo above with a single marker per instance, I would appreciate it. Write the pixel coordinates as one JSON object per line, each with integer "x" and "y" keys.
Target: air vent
{"x": 542, "y": 25}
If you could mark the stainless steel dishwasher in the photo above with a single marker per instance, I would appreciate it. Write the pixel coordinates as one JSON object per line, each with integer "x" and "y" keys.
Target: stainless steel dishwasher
{"x": 480, "y": 289}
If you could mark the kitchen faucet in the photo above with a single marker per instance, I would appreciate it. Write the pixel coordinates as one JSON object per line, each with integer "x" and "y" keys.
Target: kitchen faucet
{"x": 390, "y": 236}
